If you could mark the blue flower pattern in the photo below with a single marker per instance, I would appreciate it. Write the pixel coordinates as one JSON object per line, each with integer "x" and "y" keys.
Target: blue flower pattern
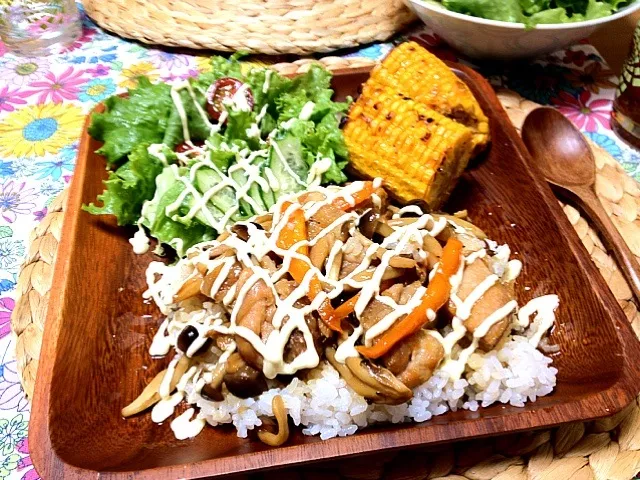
{"x": 611, "y": 145}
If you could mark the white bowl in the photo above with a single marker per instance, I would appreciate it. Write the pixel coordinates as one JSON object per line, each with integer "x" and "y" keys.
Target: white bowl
{"x": 480, "y": 38}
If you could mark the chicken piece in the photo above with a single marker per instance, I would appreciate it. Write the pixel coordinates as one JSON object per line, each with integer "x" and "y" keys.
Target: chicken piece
{"x": 229, "y": 282}
{"x": 296, "y": 344}
{"x": 398, "y": 358}
{"x": 256, "y": 314}
{"x": 268, "y": 264}
{"x": 320, "y": 251}
{"x": 408, "y": 292}
{"x": 284, "y": 288}
{"x": 425, "y": 355}
{"x": 496, "y": 297}
{"x": 353, "y": 254}
{"x": 376, "y": 311}
{"x": 324, "y": 217}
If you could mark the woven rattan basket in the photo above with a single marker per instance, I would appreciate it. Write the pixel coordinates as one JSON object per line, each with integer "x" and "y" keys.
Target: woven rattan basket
{"x": 256, "y": 26}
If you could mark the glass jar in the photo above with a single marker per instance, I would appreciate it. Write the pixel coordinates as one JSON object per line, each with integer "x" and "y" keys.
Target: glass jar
{"x": 38, "y": 27}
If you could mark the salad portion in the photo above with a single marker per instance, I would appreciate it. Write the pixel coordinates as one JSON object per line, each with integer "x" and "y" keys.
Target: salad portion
{"x": 189, "y": 159}
{"x": 532, "y": 12}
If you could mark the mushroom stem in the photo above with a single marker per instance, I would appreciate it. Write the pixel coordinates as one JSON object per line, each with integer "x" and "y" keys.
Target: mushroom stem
{"x": 392, "y": 390}
{"x": 150, "y": 395}
{"x": 280, "y": 412}
{"x": 357, "y": 385}
{"x": 190, "y": 288}
{"x": 462, "y": 223}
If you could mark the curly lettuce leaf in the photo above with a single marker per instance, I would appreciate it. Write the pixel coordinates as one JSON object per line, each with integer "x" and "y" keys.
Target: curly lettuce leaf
{"x": 312, "y": 86}
{"x": 261, "y": 79}
{"x": 530, "y": 7}
{"x": 198, "y": 127}
{"x": 128, "y": 187}
{"x": 501, "y": 10}
{"x": 533, "y": 12}
{"x": 324, "y": 140}
{"x": 142, "y": 117}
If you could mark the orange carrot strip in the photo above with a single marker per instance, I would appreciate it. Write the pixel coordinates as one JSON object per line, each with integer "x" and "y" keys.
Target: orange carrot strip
{"x": 435, "y": 297}
{"x": 293, "y": 232}
{"x": 359, "y": 197}
{"x": 347, "y": 307}
{"x": 326, "y": 313}
{"x": 333, "y": 316}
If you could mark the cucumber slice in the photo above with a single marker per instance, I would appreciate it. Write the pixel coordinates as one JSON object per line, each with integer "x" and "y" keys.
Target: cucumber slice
{"x": 287, "y": 165}
{"x": 223, "y": 200}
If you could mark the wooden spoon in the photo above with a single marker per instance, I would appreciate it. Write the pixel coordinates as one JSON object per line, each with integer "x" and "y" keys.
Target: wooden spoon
{"x": 565, "y": 159}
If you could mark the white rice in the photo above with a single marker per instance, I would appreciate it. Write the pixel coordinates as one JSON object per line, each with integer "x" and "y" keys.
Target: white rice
{"x": 325, "y": 405}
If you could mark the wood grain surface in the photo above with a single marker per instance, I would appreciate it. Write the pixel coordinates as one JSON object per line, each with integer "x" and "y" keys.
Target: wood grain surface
{"x": 98, "y": 331}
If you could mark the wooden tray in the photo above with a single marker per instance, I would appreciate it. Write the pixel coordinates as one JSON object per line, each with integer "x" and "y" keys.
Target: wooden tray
{"x": 98, "y": 331}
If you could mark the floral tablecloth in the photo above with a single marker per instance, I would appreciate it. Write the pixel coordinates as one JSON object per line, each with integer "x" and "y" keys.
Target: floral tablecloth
{"x": 43, "y": 103}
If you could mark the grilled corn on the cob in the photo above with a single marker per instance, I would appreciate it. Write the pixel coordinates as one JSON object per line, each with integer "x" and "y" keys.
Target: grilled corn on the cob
{"x": 423, "y": 77}
{"x": 413, "y": 136}
{"x": 406, "y": 144}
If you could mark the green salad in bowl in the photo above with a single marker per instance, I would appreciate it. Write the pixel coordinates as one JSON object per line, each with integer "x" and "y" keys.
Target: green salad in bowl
{"x": 513, "y": 29}
{"x": 533, "y": 12}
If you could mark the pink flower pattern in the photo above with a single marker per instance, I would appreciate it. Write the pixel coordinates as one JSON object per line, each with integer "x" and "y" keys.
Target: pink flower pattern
{"x": 6, "y": 308}
{"x": 98, "y": 71}
{"x": 87, "y": 36}
{"x": 10, "y": 98}
{"x": 58, "y": 88}
{"x": 587, "y": 114}
{"x": 16, "y": 199}
{"x": 25, "y": 462}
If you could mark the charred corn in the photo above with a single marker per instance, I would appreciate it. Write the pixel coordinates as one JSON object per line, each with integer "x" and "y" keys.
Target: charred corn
{"x": 416, "y": 150}
{"x": 417, "y": 74}
{"x": 415, "y": 125}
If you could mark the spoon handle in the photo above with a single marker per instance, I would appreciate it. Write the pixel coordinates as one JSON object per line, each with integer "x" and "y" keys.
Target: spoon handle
{"x": 614, "y": 241}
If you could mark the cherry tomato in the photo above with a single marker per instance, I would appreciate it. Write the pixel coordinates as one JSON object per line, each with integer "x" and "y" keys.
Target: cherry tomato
{"x": 224, "y": 89}
{"x": 185, "y": 147}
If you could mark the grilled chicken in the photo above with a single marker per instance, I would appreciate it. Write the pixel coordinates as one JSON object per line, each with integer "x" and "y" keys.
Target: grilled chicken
{"x": 496, "y": 297}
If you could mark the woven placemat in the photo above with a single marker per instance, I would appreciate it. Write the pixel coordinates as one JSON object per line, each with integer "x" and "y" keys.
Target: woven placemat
{"x": 606, "y": 449}
{"x": 256, "y": 26}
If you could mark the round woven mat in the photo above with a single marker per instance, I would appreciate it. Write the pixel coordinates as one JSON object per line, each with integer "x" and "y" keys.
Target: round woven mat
{"x": 255, "y": 26}
{"x": 606, "y": 449}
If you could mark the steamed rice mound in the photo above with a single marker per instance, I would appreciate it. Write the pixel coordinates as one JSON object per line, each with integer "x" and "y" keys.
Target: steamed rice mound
{"x": 325, "y": 405}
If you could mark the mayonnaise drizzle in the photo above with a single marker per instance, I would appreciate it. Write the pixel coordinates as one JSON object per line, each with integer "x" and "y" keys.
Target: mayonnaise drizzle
{"x": 307, "y": 110}
{"x": 348, "y": 348}
{"x": 140, "y": 241}
{"x": 185, "y": 427}
{"x": 289, "y": 318}
{"x": 267, "y": 80}
{"x": 544, "y": 308}
{"x": 161, "y": 343}
{"x": 165, "y": 407}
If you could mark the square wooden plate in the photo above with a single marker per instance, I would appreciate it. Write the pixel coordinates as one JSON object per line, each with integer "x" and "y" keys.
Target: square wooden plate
{"x": 95, "y": 360}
